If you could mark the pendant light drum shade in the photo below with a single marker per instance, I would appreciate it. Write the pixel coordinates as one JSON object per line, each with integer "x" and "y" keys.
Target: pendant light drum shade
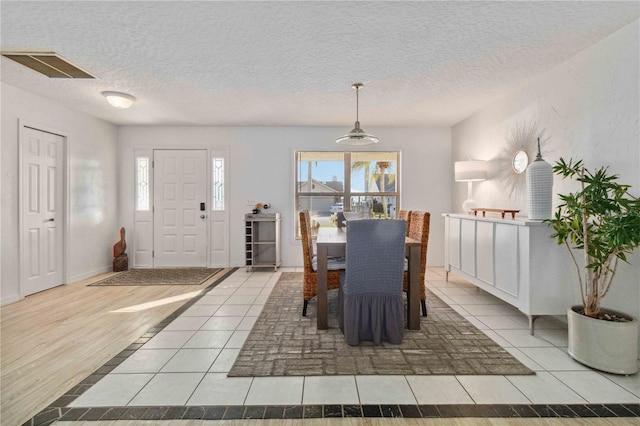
{"x": 357, "y": 136}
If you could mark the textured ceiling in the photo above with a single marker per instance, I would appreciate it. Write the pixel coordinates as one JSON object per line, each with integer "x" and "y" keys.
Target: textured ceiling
{"x": 293, "y": 63}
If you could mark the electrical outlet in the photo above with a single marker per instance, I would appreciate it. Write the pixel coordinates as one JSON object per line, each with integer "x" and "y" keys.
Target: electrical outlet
{"x": 251, "y": 203}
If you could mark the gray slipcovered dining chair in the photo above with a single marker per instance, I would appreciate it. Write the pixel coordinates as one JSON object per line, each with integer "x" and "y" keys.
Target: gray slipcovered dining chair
{"x": 370, "y": 305}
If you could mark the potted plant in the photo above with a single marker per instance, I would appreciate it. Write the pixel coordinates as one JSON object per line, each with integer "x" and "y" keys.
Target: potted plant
{"x": 600, "y": 225}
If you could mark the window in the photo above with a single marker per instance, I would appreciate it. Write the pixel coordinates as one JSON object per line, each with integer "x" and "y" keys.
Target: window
{"x": 142, "y": 183}
{"x": 330, "y": 183}
{"x": 217, "y": 184}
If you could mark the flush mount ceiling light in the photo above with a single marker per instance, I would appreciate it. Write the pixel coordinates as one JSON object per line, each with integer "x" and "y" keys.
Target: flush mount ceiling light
{"x": 357, "y": 136}
{"x": 119, "y": 100}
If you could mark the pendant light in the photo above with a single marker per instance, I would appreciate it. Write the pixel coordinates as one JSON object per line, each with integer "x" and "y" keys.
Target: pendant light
{"x": 357, "y": 136}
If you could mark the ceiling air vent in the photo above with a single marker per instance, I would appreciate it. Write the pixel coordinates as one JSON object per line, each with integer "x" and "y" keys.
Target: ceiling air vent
{"x": 49, "y": 64}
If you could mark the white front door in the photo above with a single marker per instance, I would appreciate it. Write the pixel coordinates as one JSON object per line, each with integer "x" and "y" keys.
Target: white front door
{"x": 180, "y": 213}
{"x": 41, "y": 253}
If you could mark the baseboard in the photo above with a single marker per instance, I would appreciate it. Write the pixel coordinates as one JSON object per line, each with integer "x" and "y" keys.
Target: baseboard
{"x": 10, "y": 299}
{"x": 90, "y": 274}
{"x": 15, "y": 297}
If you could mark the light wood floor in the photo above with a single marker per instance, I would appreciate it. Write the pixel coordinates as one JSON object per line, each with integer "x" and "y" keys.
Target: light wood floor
{"x": 52, "y": 340}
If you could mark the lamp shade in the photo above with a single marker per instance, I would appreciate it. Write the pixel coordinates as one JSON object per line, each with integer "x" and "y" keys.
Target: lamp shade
{"x": 357, "y": 136}
{"x": 470, "y": 171}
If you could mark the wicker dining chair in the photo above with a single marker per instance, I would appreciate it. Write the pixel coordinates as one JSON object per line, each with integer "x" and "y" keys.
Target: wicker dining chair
{"x": 419, "y": 230}
{"x": 406, "y": 216}
{"x": 310, "y": 283}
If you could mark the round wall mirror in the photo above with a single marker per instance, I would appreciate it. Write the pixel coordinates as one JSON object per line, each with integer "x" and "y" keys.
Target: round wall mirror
{"x": 522, "y": 141}
{"x": 520, "y": 162}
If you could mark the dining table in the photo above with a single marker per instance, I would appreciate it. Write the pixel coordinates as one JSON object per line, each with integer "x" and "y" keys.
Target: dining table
{"x": 332, "y": 241}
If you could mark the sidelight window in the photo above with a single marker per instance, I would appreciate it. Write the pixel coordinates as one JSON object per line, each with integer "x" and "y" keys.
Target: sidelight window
{"x": 217, "y": 184}
{"x": 142, "y": 183}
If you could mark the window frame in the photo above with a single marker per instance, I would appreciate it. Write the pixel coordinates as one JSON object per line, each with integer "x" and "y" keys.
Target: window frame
{"x": 347, "y": 193}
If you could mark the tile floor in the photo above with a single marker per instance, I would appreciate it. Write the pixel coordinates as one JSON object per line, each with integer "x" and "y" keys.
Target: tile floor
{"x": 186, "y": 363}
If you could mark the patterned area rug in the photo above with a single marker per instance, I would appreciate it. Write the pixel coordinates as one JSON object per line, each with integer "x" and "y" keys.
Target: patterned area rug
{"x": 169, "y": 276}
{"x": 284, "y": 343}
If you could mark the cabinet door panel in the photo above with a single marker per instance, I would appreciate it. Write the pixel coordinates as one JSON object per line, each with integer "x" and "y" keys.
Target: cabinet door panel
{"x": 506, "y": 261}
{"x": 454, "y": 242}
{"x": 468, "y": 247}
{"x": 484, "y": 247}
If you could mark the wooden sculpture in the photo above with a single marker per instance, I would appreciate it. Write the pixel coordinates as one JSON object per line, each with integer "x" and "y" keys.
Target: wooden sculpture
{"x": 120, "y": 258}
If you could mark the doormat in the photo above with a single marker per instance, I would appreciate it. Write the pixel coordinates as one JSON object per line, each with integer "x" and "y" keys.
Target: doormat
{"x": 165, "y": 276}
{"x": 284, "y": 343}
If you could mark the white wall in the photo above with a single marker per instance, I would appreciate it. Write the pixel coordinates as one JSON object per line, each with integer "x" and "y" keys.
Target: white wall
{"x": 93, "y": 185}
{"x": 262, "y": 169}
{"x": 590, "y": 108}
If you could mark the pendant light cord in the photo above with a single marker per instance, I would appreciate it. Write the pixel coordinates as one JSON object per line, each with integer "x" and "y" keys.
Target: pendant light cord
{"x": 357, "y": 104}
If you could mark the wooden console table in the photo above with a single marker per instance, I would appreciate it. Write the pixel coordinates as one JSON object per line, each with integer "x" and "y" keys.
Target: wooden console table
{"x": 501, "y": 211}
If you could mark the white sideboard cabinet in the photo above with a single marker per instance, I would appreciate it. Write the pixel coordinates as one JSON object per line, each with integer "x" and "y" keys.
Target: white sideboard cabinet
{"x": 515, "y": 260}
{"x": 262, "y": 240}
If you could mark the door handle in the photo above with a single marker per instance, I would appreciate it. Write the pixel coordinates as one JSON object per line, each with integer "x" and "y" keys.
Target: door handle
{"x": 202, "y": 216}
{"x": 50, "y": 220}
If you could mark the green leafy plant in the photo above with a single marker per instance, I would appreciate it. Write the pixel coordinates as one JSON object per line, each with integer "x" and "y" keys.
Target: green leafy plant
{"x": 603, "y": 220}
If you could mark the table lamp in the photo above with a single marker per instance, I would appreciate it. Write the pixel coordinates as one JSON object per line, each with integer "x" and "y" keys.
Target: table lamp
{"x": 470, "y": 171}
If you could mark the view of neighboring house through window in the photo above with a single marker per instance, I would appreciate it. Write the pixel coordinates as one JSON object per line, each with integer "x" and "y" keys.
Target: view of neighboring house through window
{"x": 142, "y": 183}
{"x": 329, "y": 184}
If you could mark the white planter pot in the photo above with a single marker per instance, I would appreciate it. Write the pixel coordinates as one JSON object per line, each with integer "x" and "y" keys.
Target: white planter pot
{"x": 605, "y": 345}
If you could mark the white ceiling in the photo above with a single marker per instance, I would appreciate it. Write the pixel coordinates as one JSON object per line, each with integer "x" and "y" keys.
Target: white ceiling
{"x": 293, "y": 63}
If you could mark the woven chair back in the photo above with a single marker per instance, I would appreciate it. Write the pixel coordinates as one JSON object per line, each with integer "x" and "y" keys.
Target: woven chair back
{"x": 406, "y": 216}
{"x": 419, "y": 231}
{"x": 307, "y": 239}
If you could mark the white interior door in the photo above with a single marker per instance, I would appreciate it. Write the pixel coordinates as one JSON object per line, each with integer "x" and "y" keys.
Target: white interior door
{"x": 41, "y": 257}
{"x": 180, "y": 214}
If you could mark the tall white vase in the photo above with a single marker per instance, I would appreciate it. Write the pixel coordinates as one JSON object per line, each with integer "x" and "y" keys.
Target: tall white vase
{"x": 539, "y": 188}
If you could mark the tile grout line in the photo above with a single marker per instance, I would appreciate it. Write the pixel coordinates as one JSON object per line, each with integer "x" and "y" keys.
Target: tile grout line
{"x": 157, "y": 328}
{"x": 177, "y": 314}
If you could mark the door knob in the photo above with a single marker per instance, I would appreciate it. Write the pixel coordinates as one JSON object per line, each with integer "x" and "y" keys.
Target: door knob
{"x": 50, "y": 220}
{"x": 202, "y": 216}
